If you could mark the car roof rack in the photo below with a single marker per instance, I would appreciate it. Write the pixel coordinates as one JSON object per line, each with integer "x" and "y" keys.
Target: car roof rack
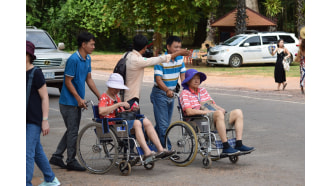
{"x": 251, "y": 32}
{"x": 33, "y": 27}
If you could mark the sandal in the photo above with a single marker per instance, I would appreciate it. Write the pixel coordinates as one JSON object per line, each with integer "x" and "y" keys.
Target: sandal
{"x": 284, "y": 85}
{"x": 150, "y": 155}
{"x": 168, "y": 153}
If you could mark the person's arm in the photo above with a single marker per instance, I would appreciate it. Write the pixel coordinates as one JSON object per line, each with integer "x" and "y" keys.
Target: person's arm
{"x": 287, "y": 52}
{"x": 181, "y": 52}
{"x": 91, "y": 85}
{"x": 161, "y": 85}
{"x": 45, "y": 109}
{"x": 107, "y": 110}
{"x": 73, "y": 91}
{"x": 274, "y": 51}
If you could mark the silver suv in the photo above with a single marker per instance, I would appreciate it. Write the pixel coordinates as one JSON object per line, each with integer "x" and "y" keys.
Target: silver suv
{"x": 50, "y": 58}
{"x": 255, "y": 47}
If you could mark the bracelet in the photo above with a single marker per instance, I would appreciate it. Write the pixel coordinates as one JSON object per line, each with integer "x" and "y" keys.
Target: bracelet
{"x": 45, "y": 119}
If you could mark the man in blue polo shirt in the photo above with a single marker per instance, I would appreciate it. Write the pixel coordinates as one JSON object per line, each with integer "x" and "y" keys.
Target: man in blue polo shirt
{"x": 166, "y": 76}
{"x": 72, "y": 100}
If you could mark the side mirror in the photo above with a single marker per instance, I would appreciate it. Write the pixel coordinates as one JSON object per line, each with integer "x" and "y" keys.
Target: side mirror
{"x": 61, "y": 46}
{"x": 246, "y": 44}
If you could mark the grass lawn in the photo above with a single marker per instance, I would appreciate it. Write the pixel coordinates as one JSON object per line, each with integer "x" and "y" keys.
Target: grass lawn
{"x": 266, "y": 70}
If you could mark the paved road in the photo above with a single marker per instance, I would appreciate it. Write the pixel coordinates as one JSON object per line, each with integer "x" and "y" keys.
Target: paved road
{"x": 274, "y": 124}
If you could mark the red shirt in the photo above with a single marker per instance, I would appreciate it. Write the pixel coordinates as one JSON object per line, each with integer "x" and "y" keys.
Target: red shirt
{"x": 190, "y": 99}
{"x": 106, "y": 101}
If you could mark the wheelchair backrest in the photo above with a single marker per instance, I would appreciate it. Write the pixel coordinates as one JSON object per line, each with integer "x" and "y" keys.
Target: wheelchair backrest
{"x": 96, "y": 113}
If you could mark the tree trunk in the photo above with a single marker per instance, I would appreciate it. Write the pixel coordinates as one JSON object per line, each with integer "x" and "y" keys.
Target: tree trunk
{"x": 200, "y": 33}
{"x": 240, "y": 25}
{"x": 157, "y": 43}
{"x": 253, "y": 4}
{"x": 300, "y": 14}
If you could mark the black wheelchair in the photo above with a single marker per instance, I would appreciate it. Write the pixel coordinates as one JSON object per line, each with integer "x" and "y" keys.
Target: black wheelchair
{"x": 101, "y": 146}
{"x": 191, "y": 135}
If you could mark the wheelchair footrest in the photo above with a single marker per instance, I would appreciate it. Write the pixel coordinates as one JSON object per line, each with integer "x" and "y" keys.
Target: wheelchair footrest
{"x": 151, "y": 147}
{"x": 219, "y": 145}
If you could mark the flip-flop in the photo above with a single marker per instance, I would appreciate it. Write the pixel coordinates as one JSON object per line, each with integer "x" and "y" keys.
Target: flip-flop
{"x": 284, "y": 85}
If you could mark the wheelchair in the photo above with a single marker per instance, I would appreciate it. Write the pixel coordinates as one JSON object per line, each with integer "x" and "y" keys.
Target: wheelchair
{"x": 101, "y": 146}
{"x": 191, "y": 135}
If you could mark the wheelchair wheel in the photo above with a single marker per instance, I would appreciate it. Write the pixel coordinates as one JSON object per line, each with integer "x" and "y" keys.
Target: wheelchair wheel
{"x": 149, "y": 166}
{"x": 233, "y": 159}
{"x": 207, "y": 162}
{"x": 182, "y": 137}
{"x": 96, "y": 151}
{"x": 125, "y": 170}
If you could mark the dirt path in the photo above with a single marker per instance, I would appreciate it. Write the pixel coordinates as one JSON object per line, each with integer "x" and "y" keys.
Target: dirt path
{"x": 106, "y": 63}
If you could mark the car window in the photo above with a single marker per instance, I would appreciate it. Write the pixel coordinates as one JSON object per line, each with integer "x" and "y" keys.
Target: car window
{"x": 253, "y": 41}
{"x": 41, "y": 40}
{"x": 269, "y": 40}
{"x": 234, "y": 40}
{"x": 287, "y": 39}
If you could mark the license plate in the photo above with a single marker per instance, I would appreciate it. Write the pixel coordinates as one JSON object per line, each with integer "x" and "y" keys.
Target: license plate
{"x": 49, "y": 75}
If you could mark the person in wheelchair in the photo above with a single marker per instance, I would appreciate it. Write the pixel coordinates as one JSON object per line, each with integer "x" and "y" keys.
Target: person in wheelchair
{"x": 110, "y": 102}
{"x": 191, "y": 99}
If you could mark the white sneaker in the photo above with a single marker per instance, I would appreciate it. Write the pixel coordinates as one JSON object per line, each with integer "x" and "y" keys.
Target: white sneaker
{"x": 55, "y": 182}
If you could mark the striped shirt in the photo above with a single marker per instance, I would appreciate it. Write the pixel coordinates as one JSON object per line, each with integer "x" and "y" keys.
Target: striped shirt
{"x": 170, "y": 72}
{"x": 190, "y": 99}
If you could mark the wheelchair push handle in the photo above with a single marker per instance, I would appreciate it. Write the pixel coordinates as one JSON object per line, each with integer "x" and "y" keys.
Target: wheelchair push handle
{"x": 86, "y": 103}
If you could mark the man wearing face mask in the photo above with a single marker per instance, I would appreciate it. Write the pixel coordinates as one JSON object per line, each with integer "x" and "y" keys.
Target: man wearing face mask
{"x": 166, "y": 76}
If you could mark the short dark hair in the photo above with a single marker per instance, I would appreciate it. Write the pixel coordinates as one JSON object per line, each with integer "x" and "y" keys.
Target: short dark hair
{"x": 139, "y": 42}
{"x": 31, "y": 58}
{"x": 84, "y": 37}
{"x": 171, "y": 39}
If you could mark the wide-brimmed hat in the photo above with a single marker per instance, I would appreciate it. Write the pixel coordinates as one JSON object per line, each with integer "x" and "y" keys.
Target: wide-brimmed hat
{"x": 116, "y": 81}
{"x": 189, "y": 75}
{"x": 30, "y": 49}
{"x": 302, "y": 33}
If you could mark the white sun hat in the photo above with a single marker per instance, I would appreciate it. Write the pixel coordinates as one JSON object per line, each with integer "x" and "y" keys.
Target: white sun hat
{"x": 116, "y": 81}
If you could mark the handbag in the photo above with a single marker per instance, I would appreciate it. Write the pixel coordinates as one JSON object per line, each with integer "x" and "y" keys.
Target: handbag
{"x": 286, "y": 64}
{"x": 127, "y": 115}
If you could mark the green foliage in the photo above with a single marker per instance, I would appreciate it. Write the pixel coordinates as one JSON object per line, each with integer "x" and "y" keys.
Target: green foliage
{"x": 273, "y": 7}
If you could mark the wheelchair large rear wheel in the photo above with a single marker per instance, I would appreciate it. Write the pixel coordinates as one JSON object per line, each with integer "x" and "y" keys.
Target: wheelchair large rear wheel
{"x": 96, "y": 151}
{"x": 182, "y": 137}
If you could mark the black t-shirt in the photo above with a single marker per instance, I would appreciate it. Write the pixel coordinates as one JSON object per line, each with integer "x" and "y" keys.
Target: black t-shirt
{"x": 34, "y": 111}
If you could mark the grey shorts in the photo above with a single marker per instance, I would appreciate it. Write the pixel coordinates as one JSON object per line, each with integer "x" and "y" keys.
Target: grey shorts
{"x": 228, "y": 125}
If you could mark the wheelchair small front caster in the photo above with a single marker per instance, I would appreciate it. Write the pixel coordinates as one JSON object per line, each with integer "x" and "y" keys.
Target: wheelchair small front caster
{"x": 207, "y": 162}
{"x": 233, "y": 159}
{"x": 125, "y": 170}
{"x": 149, "y": 166}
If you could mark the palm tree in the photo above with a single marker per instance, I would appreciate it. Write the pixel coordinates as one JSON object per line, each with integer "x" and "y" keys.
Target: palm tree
{"x": 300, "y": 14}
{"x": 240, "y": 25}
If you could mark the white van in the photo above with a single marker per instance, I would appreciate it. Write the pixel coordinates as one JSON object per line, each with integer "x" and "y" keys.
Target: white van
{"x": 251, "y": 48}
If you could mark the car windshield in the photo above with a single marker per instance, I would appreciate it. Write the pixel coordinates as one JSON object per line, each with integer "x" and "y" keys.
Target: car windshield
{"x": 234, "y": 40}
{"x": 40, "y": 40}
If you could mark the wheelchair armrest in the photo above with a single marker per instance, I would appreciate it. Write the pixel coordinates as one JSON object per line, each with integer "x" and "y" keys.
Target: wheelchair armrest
{"x": 195, "y": 117}
{"x": 139, "y": 116}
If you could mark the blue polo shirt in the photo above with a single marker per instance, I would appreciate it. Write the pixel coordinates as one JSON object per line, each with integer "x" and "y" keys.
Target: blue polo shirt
{"x": 78, "y": 68}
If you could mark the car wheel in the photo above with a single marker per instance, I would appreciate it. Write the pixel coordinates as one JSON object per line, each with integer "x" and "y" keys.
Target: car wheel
{"x": 235, "y": 60}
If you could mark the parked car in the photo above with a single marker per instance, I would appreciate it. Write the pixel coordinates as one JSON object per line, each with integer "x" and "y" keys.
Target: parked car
{"x": 251, "y": 48}
{"x": 50, "y": 58}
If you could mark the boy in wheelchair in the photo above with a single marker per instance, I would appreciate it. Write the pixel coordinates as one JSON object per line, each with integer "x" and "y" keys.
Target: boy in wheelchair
{"x": 110, "y": 103}
{"x": 192, "y": 99}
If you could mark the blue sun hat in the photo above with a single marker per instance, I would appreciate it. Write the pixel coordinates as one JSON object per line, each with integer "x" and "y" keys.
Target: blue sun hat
{"x": 189, "y": 75}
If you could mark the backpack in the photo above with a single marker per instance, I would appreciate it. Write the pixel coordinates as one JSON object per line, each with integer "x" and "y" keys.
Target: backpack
{"x": 120, "y": 68}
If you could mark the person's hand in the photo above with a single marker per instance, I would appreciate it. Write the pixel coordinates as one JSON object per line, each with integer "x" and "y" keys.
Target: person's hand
{"x": 124, "y": 104}
{"x": 135, "y": 108}
{"x": 45, "y": 127}
{"x": 81, "y": 104}
{"x": 184, "y": 52}
{"x": 169, "y": 93}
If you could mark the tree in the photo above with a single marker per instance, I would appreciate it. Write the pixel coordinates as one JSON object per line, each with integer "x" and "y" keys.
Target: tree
{"x": 240, "y": 24}
{"x": 300, "y": 14}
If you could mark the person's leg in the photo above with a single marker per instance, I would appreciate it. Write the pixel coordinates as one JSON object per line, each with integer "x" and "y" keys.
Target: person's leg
{"x": 137, "y": 125}
{"x": 43, "y": 164}
{"x": 151, "y": 133}
{"x": 160, "y": 107}
{"x": 32, "y": 135}
{"x": 219, "y": 121}
{"x": 73, "y": 122}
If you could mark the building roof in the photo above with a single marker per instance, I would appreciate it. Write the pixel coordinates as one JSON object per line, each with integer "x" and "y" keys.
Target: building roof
{"x": 254, "y": 19}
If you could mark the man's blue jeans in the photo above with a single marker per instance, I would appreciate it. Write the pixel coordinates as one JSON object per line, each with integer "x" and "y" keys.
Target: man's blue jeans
{"x": 163, "y": 110}
{"x": 35, "y": 153}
